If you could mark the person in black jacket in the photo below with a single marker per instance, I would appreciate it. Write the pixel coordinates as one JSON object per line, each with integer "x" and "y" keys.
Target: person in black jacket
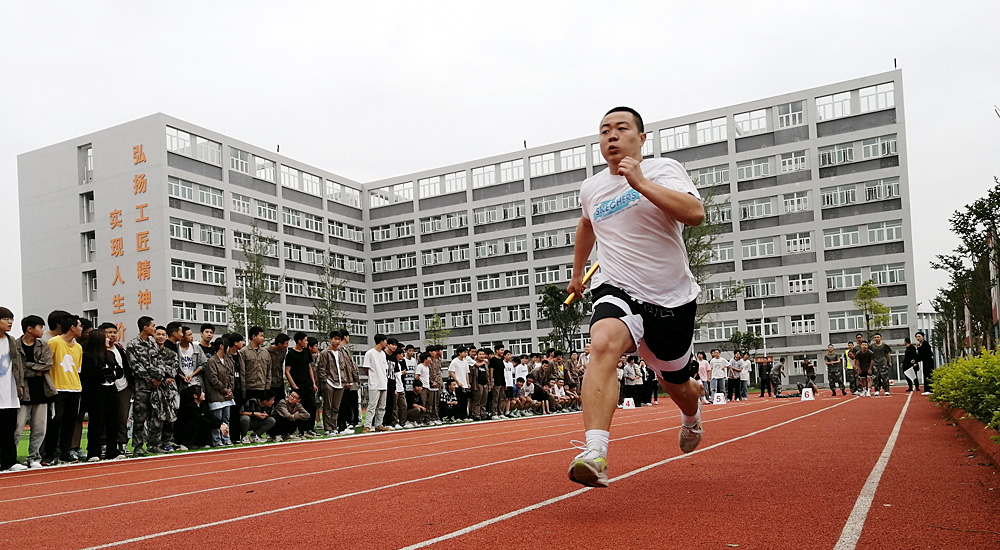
{"x": 910, "y": 360}
{"x": 926, "y": 354}
{"x": 193, "y": 427}
{"x": 124, "y": 384}
{"x": 97, "y": 378}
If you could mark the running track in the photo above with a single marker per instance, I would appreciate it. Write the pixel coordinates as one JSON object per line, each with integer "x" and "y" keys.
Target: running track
{"x": 771, "y": 473}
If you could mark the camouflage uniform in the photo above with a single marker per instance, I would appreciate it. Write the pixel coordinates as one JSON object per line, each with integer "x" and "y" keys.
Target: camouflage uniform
{"x": 880, "y": 366}
{"x": 140, "y": 356}
{"x": 776, "y": 379}
{"x": 835, "y": 371}
{"x": 164, "y": 399}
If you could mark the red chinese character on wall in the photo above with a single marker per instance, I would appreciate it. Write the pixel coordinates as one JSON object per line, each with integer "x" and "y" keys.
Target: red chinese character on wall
{"x": 119, "y": 303}
{"x": 145, "y": 299}
{"x": 138, "y": 184}
{"x": 137, "y": 154}
{"x": 117, "y": 247}
{"x": 142, "y": 241}
{"x": 116, "y": 218}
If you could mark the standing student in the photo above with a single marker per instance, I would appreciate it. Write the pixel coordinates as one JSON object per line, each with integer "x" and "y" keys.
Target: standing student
{"x": 733, "y": 377}
{"x": 632, "y": 379}
{"x": 396, "y": 394}
{"x": 256, "y": 364}
{"x": 764, "y": 376}
{"x": 459, "y": 371}
{"x": 164, "y": 399}
{"x": 834, "y": 370}
{"x": 53, "y": 322}
{"x": 498, "y": 383}
{"x": 98, "y": 373}
{"x": 644, "y": 295}
{"x": 705, "y": 376}
{"x": 278, "y": 350}
{"x": 123, "y": 385}
{"x": 207, "y": 333}
{"x": 433, "y": 390}
{"x": 479, "y": 385}
{"x": 720, "y": 372}
{"x": 777, "y": 372}
{"x": 141, "y": 351}
{"x": 12, "y": 389}
{"x": 67, "y": 358}
{"x": 350, "y": 406}
{"x": 220, "y": 378}
{"x": 881, "y": 363}
{"x": 300, "y": 376}
{"x": 910, "y": 360}
{"x": 377, "y": 368}
{"x": 36, "y": 356}
{"x": 745, "y": 376}
{"x": 926, "y": 354}
{"x": 192, "y": 360}
{"x": 864, "y": 370}
{"x": 335, "y": 377}
{"x": 849, "y": 370}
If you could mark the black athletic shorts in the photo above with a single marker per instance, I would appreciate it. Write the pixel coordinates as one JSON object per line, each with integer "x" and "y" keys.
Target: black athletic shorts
{"x": 663, "y": 336}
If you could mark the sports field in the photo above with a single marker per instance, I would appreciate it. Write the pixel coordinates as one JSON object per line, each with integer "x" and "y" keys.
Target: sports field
{"x": 839, "y": 472}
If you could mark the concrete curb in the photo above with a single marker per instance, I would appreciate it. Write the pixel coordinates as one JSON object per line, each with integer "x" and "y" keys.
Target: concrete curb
{"x": 978, "y": 432}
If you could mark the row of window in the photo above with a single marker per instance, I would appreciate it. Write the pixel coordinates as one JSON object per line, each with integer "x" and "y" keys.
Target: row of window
{"x": 838, "y": 237}
{"x": 263, "y": 210}
{"x": 484, "y": 249}
{"x": 798, "y": 283}
{"x": 206, "y": 150}
{"x": 800, "y": 201}
{"x": 218, "y": 314}
{"x": 838, "y": 321}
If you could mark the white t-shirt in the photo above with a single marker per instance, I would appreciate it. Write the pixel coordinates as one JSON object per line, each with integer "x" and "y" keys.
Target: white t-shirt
{"x": 508, "y": 374}
{"x": 424, "y": 372}
{"x": 745, "y": 375}
{"x": 718, "y": 367}
{"x": 521, "y": 371}
{"x": 8, "y": 388}
{"x": 187, "y": 363}
{"x": 411, "y": 366}
{"x": 459, "y": 369}
{"x": 121, "y": 383}
{"x": 378, "y": 369}
{"x": 640, "y": 249}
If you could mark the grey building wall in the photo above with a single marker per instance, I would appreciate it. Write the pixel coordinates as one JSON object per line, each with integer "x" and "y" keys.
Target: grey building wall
{"x": 54, "y": 173}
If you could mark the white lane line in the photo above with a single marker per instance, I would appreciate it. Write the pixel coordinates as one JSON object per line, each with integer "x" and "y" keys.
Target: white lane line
{"x": 305, "y": 474}
{"x": 264, "y": 465}
{"x": 553, "y": 500}
{"x": 859, "y": 514}
{"x": 376, "y": 489}
{"x": 238, "y": 454}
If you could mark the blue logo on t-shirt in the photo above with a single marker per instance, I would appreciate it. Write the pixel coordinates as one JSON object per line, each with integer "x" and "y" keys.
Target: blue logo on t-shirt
{"x": 617, "y": 204}
{"x": 5, "y": 364}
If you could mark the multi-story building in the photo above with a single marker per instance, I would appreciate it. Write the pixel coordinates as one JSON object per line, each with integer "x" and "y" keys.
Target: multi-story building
{"x": 810, "y": 189}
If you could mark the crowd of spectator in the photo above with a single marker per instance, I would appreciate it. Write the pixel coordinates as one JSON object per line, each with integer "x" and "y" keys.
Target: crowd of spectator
{"x": 170, "y": 389}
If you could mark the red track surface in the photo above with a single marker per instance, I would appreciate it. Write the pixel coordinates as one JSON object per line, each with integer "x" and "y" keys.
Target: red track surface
{"x": 769, "y": 474}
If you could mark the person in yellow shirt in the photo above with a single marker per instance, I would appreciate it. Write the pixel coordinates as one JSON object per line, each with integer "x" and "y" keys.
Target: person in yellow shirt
{"x": 67, "y": 358}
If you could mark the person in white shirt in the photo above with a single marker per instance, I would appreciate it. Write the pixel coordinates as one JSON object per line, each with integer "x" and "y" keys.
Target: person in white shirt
{"x": 720, "y": 369}
{"x": 745, "y": 376}
{"x": 521, "y": 369}
{"x": 377, "y": 368}
{"x": 733, "y": 378}
{"x": 644, "y": 296}
{"x": 459, "y": 370}
{"x": 508, "y": 382}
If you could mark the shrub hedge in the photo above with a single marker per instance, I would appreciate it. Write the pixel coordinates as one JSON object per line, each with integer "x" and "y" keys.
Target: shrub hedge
{"x": 973, "y": 384}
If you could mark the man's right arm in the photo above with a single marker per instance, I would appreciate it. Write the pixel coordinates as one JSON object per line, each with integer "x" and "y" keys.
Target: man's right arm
{"x": 583, "y": 246}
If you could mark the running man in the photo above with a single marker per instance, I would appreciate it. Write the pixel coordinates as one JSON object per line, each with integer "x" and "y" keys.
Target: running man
{"x": 644, "y": 294}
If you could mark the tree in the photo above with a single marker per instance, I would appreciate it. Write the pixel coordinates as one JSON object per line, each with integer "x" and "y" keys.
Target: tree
{"x": 876, "y": 313}
{"x": 746, "y": 341}
{"x": 699, "y": 242}
{"x": 565, "y": 319}
{"x": 437, "y": 331}
{"x": 973, "y": 267}
{"x": 252, "y": 290}
{"x": 327, "y": 311}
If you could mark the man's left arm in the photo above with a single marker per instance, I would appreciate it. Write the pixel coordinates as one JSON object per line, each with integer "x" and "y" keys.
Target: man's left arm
{"x": 683, "y": 207}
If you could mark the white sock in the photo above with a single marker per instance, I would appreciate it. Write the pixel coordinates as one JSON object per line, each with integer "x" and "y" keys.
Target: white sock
{"x": 598, "y": 439}
{"x": 690, "y": 421}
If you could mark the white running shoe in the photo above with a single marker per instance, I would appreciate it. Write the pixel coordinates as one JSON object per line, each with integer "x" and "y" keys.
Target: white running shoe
{"x": 18, "y": 467}
{"x": 408, "y": 425}
{"x": 690, "y": 437}
{"x": 34, "y": 464}
{"x": 926, "y": 393}
{"x": 589, "y": 468}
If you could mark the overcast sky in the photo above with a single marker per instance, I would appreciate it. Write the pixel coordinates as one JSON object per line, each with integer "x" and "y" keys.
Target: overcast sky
{"x": 389, "y": 88}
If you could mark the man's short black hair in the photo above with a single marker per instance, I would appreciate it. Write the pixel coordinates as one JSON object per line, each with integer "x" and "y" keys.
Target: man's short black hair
{"x": 85, "y": 323}
{"x": 105, "y": 326}
{"x": 424, "y": 356}
{"x": 311, "y": 341}
{"x": 876, "y": 334}
{"x": 409, "y": 347}
{"x": 418, "y": 384}
{"x": 907, "y": 340}
{"x": 144, "y": 322}
{"x": 379, "y": 338}
{"x": 281, "y": 338}
{"x": 173, "y": 326}
{"x": 635, "y": 114}
{"x": 920, "y": 333}
{"x": 67, "y": 322}
{"x": 234, "y": 338}
{"x": 335, "y": 334}
{"x": 519, "y": 379}
{"x": 207, "y": 326}
{"x": 55, "y": 317}
{"x": 391, "y": 341}
{"x": 255, "y": 330}
{"x": 31, "y": 321}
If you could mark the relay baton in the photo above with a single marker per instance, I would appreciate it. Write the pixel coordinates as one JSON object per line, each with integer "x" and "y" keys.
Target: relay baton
{"x": 572, "y": 295}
